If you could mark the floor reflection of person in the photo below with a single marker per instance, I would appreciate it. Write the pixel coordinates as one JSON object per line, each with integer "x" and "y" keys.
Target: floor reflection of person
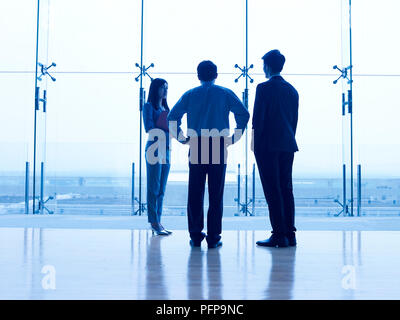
{"x": 214, "y": 278}
{"x": 195, "y": 275}
{"x": 155, "y": 286}
{"x": 282, "y": 277}
{"x": 157, "y": 149}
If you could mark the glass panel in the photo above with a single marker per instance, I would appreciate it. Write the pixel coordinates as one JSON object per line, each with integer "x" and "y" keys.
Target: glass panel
{"x": 176, "y": 46}
{"x": 17, "y": 60}
{"x": 376, "y": 133}
{"x": 15, "y": 129}
{"x": 309, "y": 35}
{"x": 348, "y": 154}
{"x": 92, "y": 122}
{"x": 200, "y": 33}
{"x": 376, "y": 81}
{"x": 104, "y": 35}
{"x": 374, "y": 32}
{"x": 92, "y": 143}
{"x": 307, "y": 32}
{"x": 317, "y": 166}
{"x": 43, "y": 76}
{"x": 18, "y": 32}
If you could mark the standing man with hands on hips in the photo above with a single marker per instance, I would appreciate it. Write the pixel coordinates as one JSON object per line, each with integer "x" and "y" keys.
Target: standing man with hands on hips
{"x": 207, "y": 107}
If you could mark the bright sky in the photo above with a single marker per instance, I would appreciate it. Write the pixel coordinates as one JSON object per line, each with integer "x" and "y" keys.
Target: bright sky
{"x": 92, "y": 122}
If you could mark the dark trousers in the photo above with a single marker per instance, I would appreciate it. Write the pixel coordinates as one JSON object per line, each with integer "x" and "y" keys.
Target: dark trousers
{"x": 216, "y": 183}
{"x": 215, "y": 174}
{"x": 275, "y": 169}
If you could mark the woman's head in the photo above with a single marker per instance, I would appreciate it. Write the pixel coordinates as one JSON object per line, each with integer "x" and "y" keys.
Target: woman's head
{"x": 158, "y": 92}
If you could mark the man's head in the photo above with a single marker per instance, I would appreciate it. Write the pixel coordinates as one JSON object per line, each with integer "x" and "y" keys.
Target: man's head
{"x": 273, "y": 63}
{"x": 207, "y": 71}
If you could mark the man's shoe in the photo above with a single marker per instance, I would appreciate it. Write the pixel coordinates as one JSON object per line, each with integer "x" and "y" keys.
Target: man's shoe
{"x": 291, "y": 239}
{"x": 215, "y": 245}
{"x": 274, "y": 241}
{"x": 195, "y": 243}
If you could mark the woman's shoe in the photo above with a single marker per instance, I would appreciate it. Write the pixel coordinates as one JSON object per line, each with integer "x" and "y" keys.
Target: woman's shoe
{"x": 162, "y": 228}
{"x": 158, "y": 231}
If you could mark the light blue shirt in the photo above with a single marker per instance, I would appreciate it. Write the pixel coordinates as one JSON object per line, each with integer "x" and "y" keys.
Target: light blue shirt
{"x": 208, "y": 107}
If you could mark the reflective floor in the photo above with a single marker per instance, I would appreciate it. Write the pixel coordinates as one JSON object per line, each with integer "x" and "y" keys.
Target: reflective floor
{"x": 132, "y": 264}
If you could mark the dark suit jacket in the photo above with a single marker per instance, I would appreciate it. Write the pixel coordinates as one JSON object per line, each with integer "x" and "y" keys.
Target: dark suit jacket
{"x": 275, "y": 116}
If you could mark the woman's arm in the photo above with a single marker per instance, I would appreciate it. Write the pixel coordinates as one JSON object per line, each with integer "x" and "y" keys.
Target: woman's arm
{"x": 148, "y": 120}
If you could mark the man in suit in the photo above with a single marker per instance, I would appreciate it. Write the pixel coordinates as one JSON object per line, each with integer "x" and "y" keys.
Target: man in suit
{"x": 274, "y": 144}
{"x": 207, "y": 107}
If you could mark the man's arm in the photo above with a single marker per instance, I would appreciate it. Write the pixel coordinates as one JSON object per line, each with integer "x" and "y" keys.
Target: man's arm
{"x": 258, "y": 115}
{"x": 175, "y": 116}
{"x": 241, "y": 114}
{"x": 258, "y": 109}
{"x": 296, "y": 115}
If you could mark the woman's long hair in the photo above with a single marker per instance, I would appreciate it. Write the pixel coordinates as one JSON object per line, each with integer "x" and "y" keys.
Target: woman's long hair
{"x": 153, "y": 93}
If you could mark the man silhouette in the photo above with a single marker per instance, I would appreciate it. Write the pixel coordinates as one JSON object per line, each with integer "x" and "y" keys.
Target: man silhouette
{"x": 207, "y": 108}
{"x": 274, "y": 127}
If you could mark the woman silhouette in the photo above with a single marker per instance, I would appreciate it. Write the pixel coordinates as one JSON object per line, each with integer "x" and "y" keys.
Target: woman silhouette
{"x": 155, "y": 113}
